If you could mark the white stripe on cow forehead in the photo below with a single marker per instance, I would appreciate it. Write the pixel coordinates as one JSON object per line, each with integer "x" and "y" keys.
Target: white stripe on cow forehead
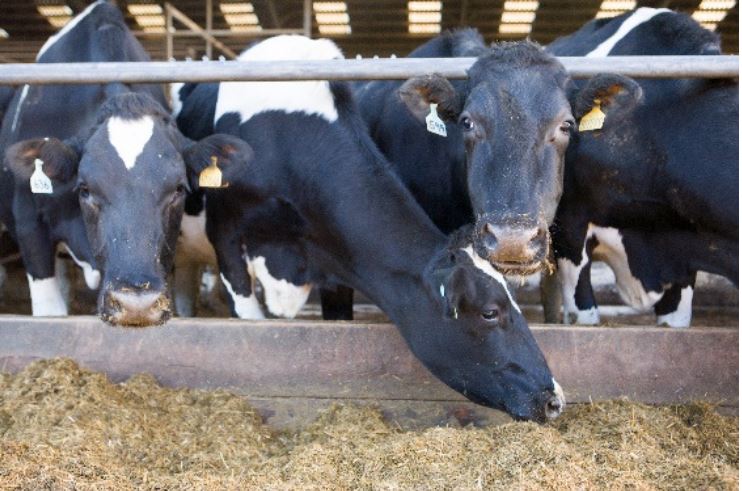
{"x": 484, "y": 266}
{"x": 129, "y": 136}
{"x": 642, "y": 15}
{"x": 310, "y": 97}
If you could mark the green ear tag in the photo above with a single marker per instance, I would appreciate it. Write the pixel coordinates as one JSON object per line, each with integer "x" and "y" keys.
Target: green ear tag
{"x": 594, "y": 119}
{"x": 40, "y": 182}
{"x": 210, "y": 177}
{"x": 434, "y": 123}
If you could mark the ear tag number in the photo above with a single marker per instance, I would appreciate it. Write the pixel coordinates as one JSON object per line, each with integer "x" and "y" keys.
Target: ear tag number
{"x": 211, "y": 177}
{"x": 594, "y": 119}
{"x": 434, "y": 123}
{"x": 40, "y": 182}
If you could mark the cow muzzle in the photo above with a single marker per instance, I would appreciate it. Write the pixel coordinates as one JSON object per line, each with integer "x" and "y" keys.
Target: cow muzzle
{"x": 515, "y": 250}
{"x": 135, "y": 308}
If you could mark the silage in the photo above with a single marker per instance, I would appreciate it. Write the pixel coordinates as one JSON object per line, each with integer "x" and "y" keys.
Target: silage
{"x": 62, "y": 427}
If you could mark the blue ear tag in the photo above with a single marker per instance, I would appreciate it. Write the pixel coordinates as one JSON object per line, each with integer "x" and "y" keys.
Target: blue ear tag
{"x": 40, "y": 182}
{"x": 434, "y": 123}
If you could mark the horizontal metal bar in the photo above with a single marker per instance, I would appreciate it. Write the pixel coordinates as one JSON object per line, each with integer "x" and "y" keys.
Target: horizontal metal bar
{"x": 353, "y": 69}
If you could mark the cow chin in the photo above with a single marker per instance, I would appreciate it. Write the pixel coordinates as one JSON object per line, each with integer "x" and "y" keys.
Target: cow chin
{"x": 518, "y": 269}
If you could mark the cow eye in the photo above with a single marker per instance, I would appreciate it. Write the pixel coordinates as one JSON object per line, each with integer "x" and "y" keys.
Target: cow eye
{"x": 566, "y": 126}
{"x": 180, "y": 189}
{"x": 83, "y": 191}
{"x": 466, "y": 123}
{"x": 492, "y": 315}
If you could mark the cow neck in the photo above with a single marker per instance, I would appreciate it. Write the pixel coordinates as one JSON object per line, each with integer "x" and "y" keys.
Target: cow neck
{"x": 367, "y": 229}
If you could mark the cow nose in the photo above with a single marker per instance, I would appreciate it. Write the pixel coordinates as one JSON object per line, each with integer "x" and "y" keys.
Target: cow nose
{"x": 510, "y": 245}
{"x": 555, "y": 402}
{"x": 136, "y": 307}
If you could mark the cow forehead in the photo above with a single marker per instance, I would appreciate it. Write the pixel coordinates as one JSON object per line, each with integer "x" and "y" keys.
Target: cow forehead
{"x": 129, "y": 137}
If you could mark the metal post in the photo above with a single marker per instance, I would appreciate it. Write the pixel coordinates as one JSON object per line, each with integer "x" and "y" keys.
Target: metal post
{"x": 170, "y": 30}
{"x": 209, "y": 26}
{"x": 190, "y": 24}
{"x": 308, "y": 18}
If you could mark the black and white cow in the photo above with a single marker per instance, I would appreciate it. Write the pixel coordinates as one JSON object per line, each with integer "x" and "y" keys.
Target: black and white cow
{"x": 119, "y": 176}
{"x": 41, "y": 222}
{"x": 318, "y": 185}
{"x": 654, "y": 192}
{"x": 500, "y": 165}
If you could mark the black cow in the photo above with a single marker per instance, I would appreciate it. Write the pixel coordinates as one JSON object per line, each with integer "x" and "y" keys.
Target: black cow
{"x": 654, "y": 192}
{"x": 119, "y": 176}
{"x": 318, "y": 185}
{"x": 40, "y": 222}
{"x": 501, "y": 163}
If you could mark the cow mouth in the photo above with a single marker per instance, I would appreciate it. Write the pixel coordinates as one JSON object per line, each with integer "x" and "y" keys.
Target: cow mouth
{"x": 513, "y": 268}
{"x": 118, "y": 315}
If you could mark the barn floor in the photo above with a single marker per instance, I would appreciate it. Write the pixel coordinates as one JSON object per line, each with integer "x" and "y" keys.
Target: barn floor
{"x": 63, "y": 427}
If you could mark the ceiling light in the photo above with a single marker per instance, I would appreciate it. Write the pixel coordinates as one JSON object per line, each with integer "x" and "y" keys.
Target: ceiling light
{"x": 424, "y": 28}
{"x": 333, "y": 18}
{"x": 424, "y": 6}
{"x": 331, "y": 29}
{"x": 424, "y": 17}
{"x": 716, "y": 4}
{"x": 150, "y": 20}
{"x": 515, "y": 28}
{"x": 526, "y": 5}
{"x": 241, "y": 19}
{"x": 144, "y": 9}
{"x": 709, "y": 15}
{"x": 236, "y": 8}
{"x": 58, "y": 21}
{"x": 4, "y": 34}
{"x": 236, "y": 28}
{"x": 154, "y": 29}
{"x": 55, "y": 10}
{"x": 330, "y": 7}
{"x": 517, "y": 17}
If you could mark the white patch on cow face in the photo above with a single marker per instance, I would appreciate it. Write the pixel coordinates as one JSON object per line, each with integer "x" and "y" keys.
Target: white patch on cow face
{"x": 569, "y": 275}
{"x": 610, "y": 249}
{"x": 244, "y": 307}
{"x": 682, "y": 315}
{"x": 310, "y": 97}
{"x": 561, "y": 400}
{"x": 282, "y": 298}
{"x": 68, "y": 27}
{"x": 484, "y": 266}
{"x": 640, "y": 16}
{"x": 24, "y": 94}
{"x": 46, "y": 297}
{"x": 92, "y": 275}
{"x": 175, "y": 98}
{"x": 129, "y": 136}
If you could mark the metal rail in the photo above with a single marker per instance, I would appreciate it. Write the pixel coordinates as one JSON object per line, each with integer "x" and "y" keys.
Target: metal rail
{"x": 353, "y": 69}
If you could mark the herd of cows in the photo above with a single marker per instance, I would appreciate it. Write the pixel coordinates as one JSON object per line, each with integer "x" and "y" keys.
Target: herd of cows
{"x": 342, "y": 186}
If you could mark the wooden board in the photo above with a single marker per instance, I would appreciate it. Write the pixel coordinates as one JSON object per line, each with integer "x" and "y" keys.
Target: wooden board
{"x": 295, "y": 367}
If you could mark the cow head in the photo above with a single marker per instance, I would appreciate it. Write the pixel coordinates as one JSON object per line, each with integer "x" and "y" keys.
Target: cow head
{"x": 129, "y": 174}
{"x": 58, "y": 209}
{"x": 516, "y": 122}
{"x": 490, "y": 354}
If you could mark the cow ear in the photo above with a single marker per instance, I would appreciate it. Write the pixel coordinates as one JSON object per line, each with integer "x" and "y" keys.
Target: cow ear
{"x": 454, "y": 286}
{"x": 230, "y": 153}
{"x": 419, "y": 92}
{"x": 615, "y": 93}
{"x": 60, "y": 158}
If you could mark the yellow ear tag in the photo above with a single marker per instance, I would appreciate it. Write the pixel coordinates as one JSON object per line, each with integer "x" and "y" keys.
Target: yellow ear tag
{"x": 210, "y": 177}
{"x": 594, "y": 119}
{"x": 40, "y": 182}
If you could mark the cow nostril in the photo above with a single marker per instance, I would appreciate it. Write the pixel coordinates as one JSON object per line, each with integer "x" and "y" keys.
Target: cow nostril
{"x": 539, "y": 237}
{"x": 136, "y": 301}
{"x": 489, "y": 238}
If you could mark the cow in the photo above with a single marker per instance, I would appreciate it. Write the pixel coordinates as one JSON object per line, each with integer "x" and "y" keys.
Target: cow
{"x": 654, "y": 191}
{"x": 316, "y": 183}
{"x": 41, "y": 222}
{"x": 500, "y": 165}
{"x": 117, "y": 165}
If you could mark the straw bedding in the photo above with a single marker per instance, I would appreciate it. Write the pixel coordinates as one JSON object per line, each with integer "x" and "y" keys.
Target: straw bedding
{"x": 63, "y": 427}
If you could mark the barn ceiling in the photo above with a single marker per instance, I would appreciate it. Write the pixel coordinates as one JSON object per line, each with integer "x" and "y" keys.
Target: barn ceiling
{"x": 378, "y": 27}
